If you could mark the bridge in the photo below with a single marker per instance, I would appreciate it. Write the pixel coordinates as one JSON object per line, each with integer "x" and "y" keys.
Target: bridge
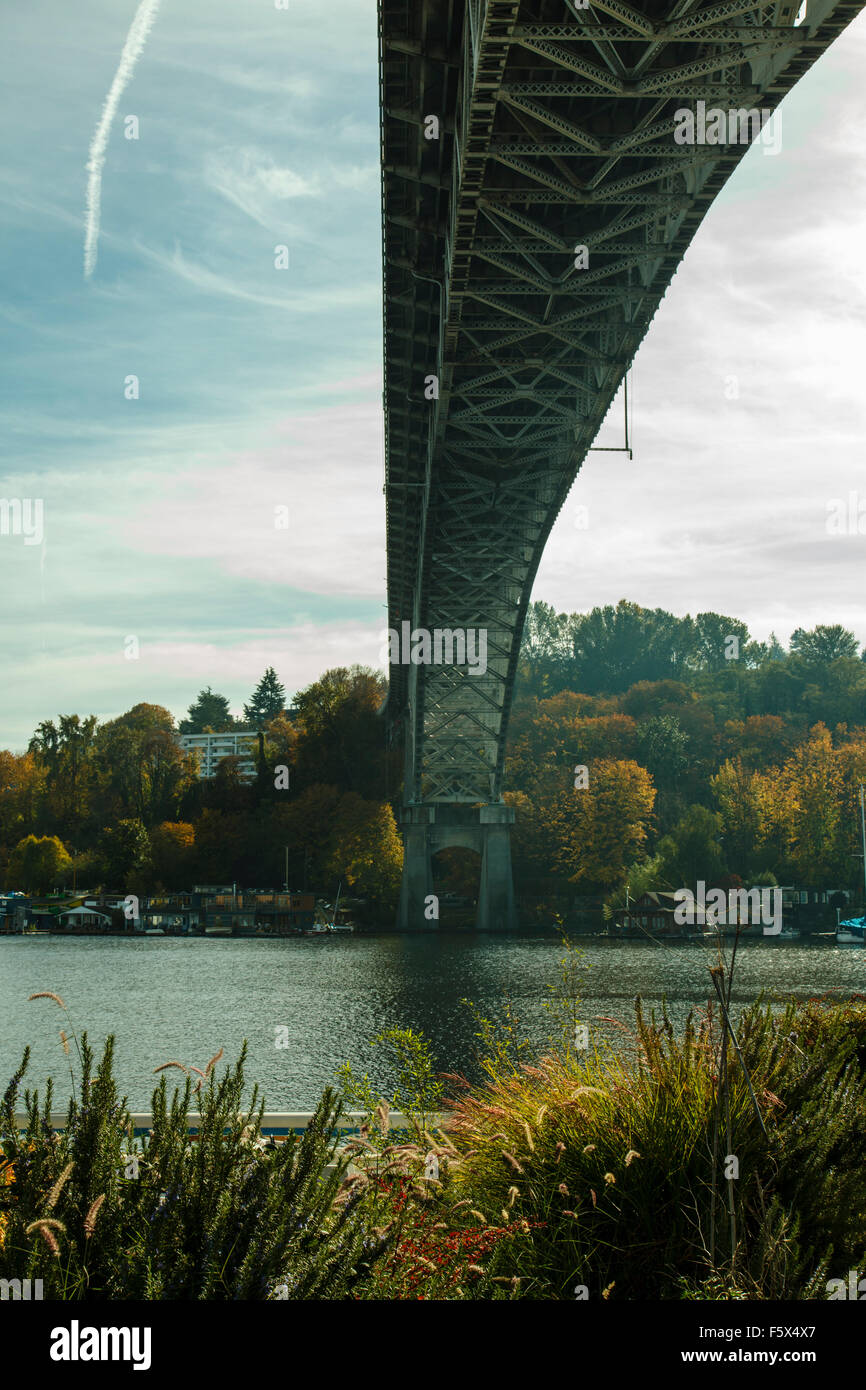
{"x": 545, "y": 165}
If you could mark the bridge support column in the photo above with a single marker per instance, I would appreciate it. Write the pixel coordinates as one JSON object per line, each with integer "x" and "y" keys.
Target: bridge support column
{"x": 417, "y": 882}
{"x": 497, "y": 910}
{"x": 487, "y": 831}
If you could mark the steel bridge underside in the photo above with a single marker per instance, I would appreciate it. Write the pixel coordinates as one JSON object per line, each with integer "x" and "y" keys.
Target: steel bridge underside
{"x": 502, "y": 355}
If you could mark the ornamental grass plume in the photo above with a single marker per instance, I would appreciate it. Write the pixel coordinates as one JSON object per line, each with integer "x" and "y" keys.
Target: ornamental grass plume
{"x": 640, "y": 1146}
{"x": 92, "y": 1214}
{"x": 46, "y": 1228}
{"x": 56, "y": 1190}
{"x": 64, "y": 1041}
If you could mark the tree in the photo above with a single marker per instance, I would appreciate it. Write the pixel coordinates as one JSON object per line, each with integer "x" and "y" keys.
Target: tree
{"x": 125, "y": 849}
{"x": 209, "y": 712}
{"x": 36, "y": 865}
{"x": 143, "y": 773}
{"x": 228, "y": 790}
{"x": 824, "y": 644}
{"x": 22, "y": 781}
{"x": 736, "y": 789}
{"x": 64, "y": 751}
{"x": 172, "y": 848}
{"x": 341, "y": 737}
{"x": 714, "y": 649}
{"x": 802, "y": 807}
{"x": 366, "y": 849}
{"x": 268, "y": 701}
{"x": 663, "y": 748}
{"x": 692, "y": 852}
{"x": 615, "y": 647}
{"x": 304, "y": 825}
{"x": 544, "y": 650}
{"x": 281, "y": 741}
{"x": 601, "y": 828}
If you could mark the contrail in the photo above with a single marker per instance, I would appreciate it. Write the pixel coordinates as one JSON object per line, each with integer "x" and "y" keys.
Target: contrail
{"x": 132, "y": 49}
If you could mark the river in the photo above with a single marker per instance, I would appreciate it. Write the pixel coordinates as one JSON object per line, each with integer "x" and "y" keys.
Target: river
{"x": 181, "y": 999}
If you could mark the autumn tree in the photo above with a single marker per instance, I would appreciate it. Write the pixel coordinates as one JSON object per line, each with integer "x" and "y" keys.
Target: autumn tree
{"x": 601, "y": 828}
{"x": 22, "y": 784}
{"x": 802, "y": 806}
{"x": 172, "y": 850}
{"x": 366, "y": 849}
{"x": 736, "y": 790}
{"x": 39, "y": 864}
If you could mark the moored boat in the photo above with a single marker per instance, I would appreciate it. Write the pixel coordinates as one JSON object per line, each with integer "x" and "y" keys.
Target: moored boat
{"x": 852, "y": 932}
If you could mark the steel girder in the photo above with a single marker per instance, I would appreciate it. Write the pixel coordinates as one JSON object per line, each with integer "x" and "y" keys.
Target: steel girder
{"x": 555, "y": 132}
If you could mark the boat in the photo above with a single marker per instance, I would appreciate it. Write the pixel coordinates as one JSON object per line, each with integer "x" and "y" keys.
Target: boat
{"x": 325, "y": 923}
{"x": 336, "y": 925}
{"x": 851, "y": 932}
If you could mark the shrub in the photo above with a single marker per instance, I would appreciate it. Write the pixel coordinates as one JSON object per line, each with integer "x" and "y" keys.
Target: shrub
{"x": 225, "y": 1216}
{"x": 618, "y": 1168}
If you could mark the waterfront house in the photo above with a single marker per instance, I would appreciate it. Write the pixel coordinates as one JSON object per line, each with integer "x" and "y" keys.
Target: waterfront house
{"x": 86, "y": 918}
{"x": 652, "y": 914}
{"x": 173, "y": 913}
{"x": 257, "y": 913}
{"x": 279, "y": 914}
{"x": 14, "y": 912}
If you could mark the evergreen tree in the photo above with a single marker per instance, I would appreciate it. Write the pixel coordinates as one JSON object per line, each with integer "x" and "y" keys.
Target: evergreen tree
{"x": 268, "y": 700}
{"x": 208, "y": 712}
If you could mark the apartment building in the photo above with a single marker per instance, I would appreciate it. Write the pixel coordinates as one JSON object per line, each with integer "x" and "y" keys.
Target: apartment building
{"x": 212, "y": 748}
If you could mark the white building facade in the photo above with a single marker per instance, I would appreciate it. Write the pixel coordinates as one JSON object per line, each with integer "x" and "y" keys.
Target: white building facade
{"x": 212, "y": 748}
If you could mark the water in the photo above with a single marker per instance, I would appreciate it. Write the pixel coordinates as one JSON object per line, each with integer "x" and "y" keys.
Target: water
{"x": 175, "y": 999}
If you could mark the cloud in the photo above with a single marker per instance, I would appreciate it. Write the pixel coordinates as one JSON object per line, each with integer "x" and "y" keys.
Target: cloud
{"x": 132, "y": 51}
{"x": 313, "y": 302}
{"x": 253, "y": 182}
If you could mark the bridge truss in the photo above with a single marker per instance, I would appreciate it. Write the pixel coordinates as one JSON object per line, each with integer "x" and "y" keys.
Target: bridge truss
{"x": 504, "y": 345}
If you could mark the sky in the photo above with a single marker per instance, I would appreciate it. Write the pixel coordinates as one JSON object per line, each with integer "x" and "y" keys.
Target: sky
{"x": 202, "y": 423}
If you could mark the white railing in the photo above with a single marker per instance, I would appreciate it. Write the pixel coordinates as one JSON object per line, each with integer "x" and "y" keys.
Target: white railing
{"x": 275, "y": 1122}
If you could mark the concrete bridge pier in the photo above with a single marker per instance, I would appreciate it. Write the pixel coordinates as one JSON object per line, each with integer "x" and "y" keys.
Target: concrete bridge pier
{"x": 416, "y": 886}
{"x": 486, "y": 830}
{"x": 497, "y": 910}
